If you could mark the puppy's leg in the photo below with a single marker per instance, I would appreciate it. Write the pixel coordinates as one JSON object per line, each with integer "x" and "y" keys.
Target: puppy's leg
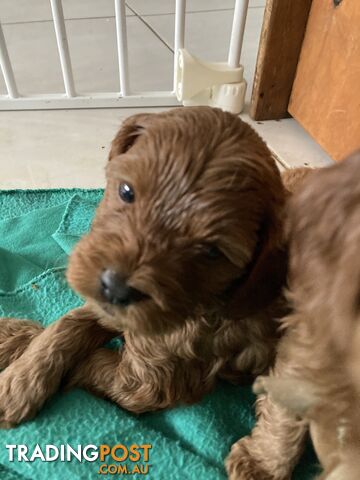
{"x": 134, "y": 384}
{"x": 118, "y": 377}
{"x": 273, "y": 448}
{"x": 15, "y": 336}
{"x": 276, "y": 442}
{"x": 96, "y": 373}
{"x": 33, "y": 377}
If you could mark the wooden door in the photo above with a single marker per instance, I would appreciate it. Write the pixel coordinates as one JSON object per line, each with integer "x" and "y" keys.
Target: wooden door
{"x": 325, "y": 97}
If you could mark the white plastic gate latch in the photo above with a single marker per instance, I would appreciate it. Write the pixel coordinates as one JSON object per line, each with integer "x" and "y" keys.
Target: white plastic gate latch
{"x": 209, "y": 83}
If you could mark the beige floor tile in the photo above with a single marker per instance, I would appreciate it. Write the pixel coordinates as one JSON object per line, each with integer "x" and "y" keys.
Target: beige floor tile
{"x": 257, "y": 3}
{"x": 90, "y": 8}
{"x": 51, "y": 149}
{"x": 93, "y": 42}
{"x": 68, "y": 148}
{"x": 34, "y": 57}
{"x": 291, "y": 143}
{"x": 24, "y": 11}
{"x": 33, "y": 52}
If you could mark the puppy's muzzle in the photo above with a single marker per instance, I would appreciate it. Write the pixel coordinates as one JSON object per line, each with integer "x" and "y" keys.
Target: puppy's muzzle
{"x": 115, "y": 290}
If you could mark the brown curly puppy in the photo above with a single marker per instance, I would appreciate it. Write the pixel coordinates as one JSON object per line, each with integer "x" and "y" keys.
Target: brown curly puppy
{"x": 317, "y": 372}
{"x": 185, "y": 258}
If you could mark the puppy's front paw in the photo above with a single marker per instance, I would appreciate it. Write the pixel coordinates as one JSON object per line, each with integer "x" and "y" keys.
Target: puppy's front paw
{"x": 22, "y": 394}
{"x": 241, "y": 465}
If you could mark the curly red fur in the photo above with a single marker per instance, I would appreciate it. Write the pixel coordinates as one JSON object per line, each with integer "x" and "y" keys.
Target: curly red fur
{"x": 200, "y": 177}
{"x": 317, "y": 372}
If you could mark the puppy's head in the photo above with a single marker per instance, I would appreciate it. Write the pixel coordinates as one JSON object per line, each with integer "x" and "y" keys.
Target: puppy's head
{"x": 193, "y": 201}
{"x": 324, "y": 226}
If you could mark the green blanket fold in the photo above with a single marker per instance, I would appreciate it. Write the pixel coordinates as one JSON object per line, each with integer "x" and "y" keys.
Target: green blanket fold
{"x": 38, "y": 229}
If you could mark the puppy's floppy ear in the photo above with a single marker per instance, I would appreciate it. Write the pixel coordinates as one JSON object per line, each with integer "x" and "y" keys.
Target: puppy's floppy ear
{"x": 267, "y": 272}
{"x": 129, "y": 132}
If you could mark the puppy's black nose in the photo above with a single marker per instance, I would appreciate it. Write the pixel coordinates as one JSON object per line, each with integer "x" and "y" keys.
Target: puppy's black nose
{"x": 115, "y": 290}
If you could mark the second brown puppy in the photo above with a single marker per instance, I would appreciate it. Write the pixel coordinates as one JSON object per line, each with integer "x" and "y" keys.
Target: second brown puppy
{"x": 317, "y": 372}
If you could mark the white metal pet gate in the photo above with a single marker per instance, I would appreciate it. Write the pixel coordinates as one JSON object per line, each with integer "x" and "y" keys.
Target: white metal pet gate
{"x": 195, "y": 82}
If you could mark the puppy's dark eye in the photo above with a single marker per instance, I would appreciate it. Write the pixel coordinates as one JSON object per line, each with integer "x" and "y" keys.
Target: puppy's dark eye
{"x": 126, "y": 193}
{"x": 212, "y": 251}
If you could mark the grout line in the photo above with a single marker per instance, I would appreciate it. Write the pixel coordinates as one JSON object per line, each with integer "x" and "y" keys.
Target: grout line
{"x": 164, "y": 14}
{"x": 66, "y": 19}
{"x": 162, "y": 40}
{"x": 190, "y": 11}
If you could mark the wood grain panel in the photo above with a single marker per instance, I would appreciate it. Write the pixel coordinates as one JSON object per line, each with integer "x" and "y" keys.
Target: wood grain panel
{"x": 326, "y": 92}
{"x": 280, "y": 44}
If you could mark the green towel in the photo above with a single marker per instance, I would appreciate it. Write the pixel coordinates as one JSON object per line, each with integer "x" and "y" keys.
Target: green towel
{"x": 38, "y": 229}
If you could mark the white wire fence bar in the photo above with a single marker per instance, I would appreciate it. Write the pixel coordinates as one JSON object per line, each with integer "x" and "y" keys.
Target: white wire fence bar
{"x": 121, "y": 36}
{"x": 63, "y": 47}
{"x": 179, "y": 41}
{"x": 237, "y": 32}
{"x": 7, "y": 68}
{"x": 125, "y": 96}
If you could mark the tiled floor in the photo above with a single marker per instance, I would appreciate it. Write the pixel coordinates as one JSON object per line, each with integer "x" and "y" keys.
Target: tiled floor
{"x": 49, "y": 149}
